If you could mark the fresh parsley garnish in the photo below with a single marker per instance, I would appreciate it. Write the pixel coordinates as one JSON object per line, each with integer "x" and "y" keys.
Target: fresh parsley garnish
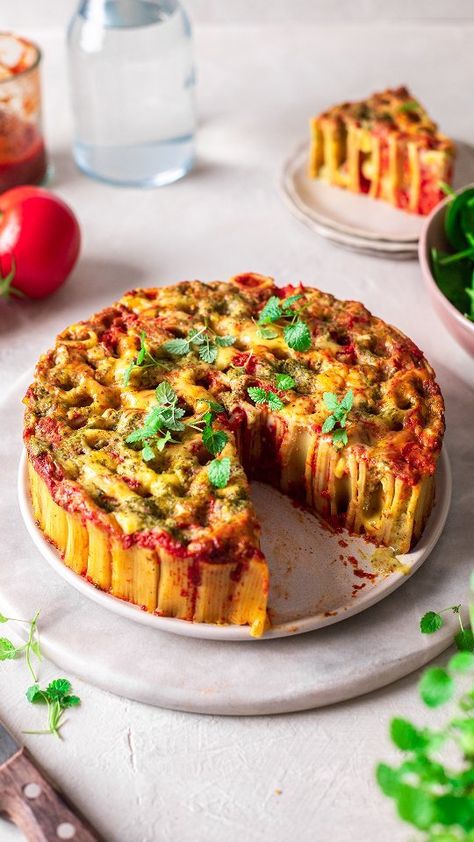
{"x": 336, "y": 422}
{"x": 58, "y": 698}
{"x": 159, "y": 423}
{"x": 144, "y": 359}
{"x": 296, "y": 332}
{"x": 265, "y": 396}
{"x": 218, "y": 472}
{"x": 284, "y": 382}
{"x": 206, "y": 341}
{"x": 8, "y": 650}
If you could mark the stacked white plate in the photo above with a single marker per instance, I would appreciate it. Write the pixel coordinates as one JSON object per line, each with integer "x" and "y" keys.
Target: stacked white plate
{"x": 353, "y": 221}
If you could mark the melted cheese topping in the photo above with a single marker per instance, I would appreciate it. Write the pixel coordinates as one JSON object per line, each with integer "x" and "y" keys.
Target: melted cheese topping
{"x": 80, "y": 412}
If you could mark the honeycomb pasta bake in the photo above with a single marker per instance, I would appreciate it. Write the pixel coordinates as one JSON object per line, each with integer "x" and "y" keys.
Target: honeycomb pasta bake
{"x": 386, "y": 146}
{"x": 145, "y": 423}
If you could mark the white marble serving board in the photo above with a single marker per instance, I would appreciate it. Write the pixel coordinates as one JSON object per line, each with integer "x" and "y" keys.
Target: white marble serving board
{"x": 294, "y": 673}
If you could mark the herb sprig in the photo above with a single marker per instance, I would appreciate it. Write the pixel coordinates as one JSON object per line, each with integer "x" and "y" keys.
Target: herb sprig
{"x": 166, "y": 418}
{"x": 57, "y": 695}
{"x": 433, "y": 796}
{"x": 159, "y": 423}
{"x": 8, "y": 650}
{"x": 296, "y": 332}
{"x": 206, "y": 341}
{"x": 265, "y": 396}
{"x": 58, "y": 698}
{"x": 144, "y": 359}
{"x": 336, "y": 422}
{"x": 432, "y": 621}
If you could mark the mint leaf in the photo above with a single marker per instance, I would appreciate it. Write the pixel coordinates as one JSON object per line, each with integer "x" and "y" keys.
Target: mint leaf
{"x": 298, "y": 336}
{"x": 214, "y": 440}
{"x": 165, "y": 393}
{"x": 178, "y": 347}
{"x": 3, "y": 619}
{"x": 347, "y": 401}
{"x": 339, "y": 438}
{"x": 148, "y": 452}
{"x": 267, "y": 333}
{"x": 208, "y": 352}
{"x": 405, "y": 736}
{"x": 271, "y": 312}
{"x": 273, "y": 401}
{"x": 464, "y": 640}
{"x": 462, "y": 662}
{"x": 219, "y": 472}
{"x": 284, "y": 382}
{"x": 286, "y": 303}
{"x": 416, "y": 806}
{"x": 225, "y": 341}
{"x": 257, "y": 394}
{"x": 329, "y": 424}
{"x": 436, "y": 687}
{"x": 431, "y": 622}
{"x": 7, "y": 649}
{"x": 331, "y": 401}
{"x": 388, "y": 780}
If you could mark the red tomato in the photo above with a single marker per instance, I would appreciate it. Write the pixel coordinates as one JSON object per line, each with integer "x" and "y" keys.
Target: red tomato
{"x": 39, "y": 241}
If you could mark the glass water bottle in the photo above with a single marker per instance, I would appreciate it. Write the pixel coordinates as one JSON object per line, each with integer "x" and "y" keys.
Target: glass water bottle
{"x": 132, "y": 85}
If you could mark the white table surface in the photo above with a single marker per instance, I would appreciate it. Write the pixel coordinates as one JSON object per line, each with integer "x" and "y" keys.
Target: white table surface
{"x": 142, "y": 774}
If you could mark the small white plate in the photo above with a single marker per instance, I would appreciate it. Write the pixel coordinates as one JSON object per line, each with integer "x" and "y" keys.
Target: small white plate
{"x": 353, "y": 221}
{"x": 318, "y": 577}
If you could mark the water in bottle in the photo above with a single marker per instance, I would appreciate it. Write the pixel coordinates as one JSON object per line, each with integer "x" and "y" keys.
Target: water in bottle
{"x": 132, "y": 86}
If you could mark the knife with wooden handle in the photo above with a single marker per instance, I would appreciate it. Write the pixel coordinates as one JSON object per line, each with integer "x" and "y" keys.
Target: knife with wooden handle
{"x": 30, "y": 801}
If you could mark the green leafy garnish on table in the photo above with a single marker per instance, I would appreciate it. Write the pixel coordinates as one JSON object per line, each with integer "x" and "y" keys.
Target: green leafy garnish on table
{"x": 337, "y": 420}
{"x": 8, "y": 650}
{"x": 144, "y": 359}
{"x": 296, "y": 332}
{"x": 265, "y": 396}
{"x": 432, "y": 621}
{"x": 433, "y": 785}
{"x": 58, "y": 698}
{"x": 453, "y": 270}
{"x": 205, "y": 340}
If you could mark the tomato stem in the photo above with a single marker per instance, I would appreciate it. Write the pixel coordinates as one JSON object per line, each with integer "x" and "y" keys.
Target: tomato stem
{"x": 6, "y": 287}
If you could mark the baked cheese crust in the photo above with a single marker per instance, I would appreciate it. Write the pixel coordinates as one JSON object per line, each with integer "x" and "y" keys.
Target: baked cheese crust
{"x": 158, "y": 533}
{"x": 386, "y": 146}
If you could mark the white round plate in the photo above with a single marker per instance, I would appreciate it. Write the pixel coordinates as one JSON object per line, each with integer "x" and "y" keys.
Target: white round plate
{"x": 354, "y": 221}
{"x": 318, "y": 577}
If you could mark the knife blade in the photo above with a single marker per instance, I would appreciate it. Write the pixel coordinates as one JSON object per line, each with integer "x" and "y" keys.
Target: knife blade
{"x": 8, "y": 746}
{"x": 32, "y": 802}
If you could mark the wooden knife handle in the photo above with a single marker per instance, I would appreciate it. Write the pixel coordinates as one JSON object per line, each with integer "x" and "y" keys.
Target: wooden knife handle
{"x": 36, "y": 807}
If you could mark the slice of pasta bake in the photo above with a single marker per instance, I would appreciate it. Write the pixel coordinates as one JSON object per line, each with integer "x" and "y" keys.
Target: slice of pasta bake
{"x": 386, "y": 147}
{"x": 144, "y": 424}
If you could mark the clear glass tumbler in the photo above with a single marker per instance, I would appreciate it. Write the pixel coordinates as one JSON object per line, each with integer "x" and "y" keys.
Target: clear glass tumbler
{"x": 132, "y": 85}
{"x": 22, "y": 151}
